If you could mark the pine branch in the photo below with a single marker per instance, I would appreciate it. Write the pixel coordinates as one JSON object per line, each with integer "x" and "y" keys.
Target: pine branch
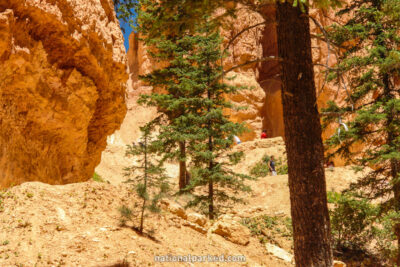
{"x": 328, "y": 43}
{"x": 244, "y": 30}
{"x": 270, "y": 58}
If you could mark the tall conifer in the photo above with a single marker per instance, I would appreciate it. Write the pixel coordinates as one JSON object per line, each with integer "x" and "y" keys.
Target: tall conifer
{"x": 210, "y": 148}
{"x": 370, "y": 60}
{"x": 192, "y": 103}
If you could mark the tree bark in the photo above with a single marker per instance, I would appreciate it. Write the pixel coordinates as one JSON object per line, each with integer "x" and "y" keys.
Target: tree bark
{"x": 395, "y": 168}
{"x": 310, "y": 217}
{"x": 394, "y": 164}
{"x": 182, "y": 166}
{"x": 145, "y": 186}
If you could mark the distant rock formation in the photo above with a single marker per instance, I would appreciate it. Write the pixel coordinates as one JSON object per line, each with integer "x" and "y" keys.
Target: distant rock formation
{"x": 62, "y": 88}
{"x": 263, "y": 96}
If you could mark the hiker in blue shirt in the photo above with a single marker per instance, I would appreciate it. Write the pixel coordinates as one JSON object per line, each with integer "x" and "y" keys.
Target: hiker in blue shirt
{"x": 271, "y": 166}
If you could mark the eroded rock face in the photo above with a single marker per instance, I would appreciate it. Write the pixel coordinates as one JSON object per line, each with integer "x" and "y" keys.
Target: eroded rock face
{"x": 62, "y": 88}
{"x": 263, "y": 101}
{"x": 247, "y": 47}
{"x": 262, "y": 98}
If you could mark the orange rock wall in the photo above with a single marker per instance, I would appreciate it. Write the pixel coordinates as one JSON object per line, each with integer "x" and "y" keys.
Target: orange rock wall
{"x": 62, "y": 88}
{"x": 263, "y": 101}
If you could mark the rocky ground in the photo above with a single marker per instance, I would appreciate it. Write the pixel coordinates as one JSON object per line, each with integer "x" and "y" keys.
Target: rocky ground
{"x": 79, "y": 224}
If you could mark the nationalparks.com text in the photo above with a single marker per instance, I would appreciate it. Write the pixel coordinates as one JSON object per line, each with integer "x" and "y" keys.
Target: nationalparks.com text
{"x": 199, "y": 258}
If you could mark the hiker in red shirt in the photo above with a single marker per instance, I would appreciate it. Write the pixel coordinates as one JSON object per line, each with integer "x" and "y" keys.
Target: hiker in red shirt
{"x": 264, "y": 134}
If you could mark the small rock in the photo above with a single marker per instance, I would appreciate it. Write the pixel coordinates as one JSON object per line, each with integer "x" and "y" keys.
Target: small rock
{"x": 279, "y": 213}
{"x": 96, "y": 240}
{"x": 196, "y": 227}
{"x": 232, "y": 231}
{"x": 339, "y": 264}
{"x": 60, "y": 213}
{"x": 131, "y": 252}
{"x": 174, "y": 208}
{"x": 264, "y": 232}
{"x": 278, "y": 252}
{"x": 197, "y": 219}
{"x": 257, "y": 209}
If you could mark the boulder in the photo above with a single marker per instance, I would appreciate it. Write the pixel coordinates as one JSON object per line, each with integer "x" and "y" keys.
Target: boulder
{"x": 62, "y": 88}
{"x": 279, "y": 252}
{"x": 232, "y": 231}
{"x": 195, "y": 226}
{"x": 174, "y": 208}
{"x": 196, "y": 218}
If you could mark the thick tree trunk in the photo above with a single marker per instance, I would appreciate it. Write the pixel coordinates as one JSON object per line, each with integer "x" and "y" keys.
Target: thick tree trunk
{"x": 395, "y": 168}
{"x": 311, "y": 226}
{"x": 394, "y": 164}
{"x": 211, "y": 182}
{"x": 211, "y": 200}
{"x": 182, "y": 166}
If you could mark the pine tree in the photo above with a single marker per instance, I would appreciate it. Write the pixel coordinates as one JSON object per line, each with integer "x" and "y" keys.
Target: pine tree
{"x": 370, "y": 61}
{"x": 193, "y": 105}
{"x": 177, "y": 104}
{"x": 148, "y": 177}
{"x": 210, "y": 148}
{"x": 291, "y": 14}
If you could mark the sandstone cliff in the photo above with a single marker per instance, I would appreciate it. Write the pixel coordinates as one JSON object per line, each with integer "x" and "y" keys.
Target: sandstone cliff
{"x": 62, "y": 88}
{"x": 264, "y": 99}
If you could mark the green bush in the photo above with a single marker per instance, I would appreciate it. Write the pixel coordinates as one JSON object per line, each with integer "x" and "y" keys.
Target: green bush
{"x": 269, "y": 228}
{"x": 385, "y": 235}
{"x": 351, "y": 220}
{"x": 282, "y": 168}
{"x": 126, "y": 214}
{"x": 261, "y": 169}
{"x": 97, "y": 178}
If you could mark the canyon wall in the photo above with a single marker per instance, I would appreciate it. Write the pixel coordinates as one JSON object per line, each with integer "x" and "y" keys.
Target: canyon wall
{"x": 263, "y": 96}
{"x": 62, "y": 88}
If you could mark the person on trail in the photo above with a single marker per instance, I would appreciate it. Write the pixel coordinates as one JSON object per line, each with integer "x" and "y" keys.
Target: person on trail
{"x": 264, "y": 134}
{"x": 237, "y": 140}
{"x": 271, "y": 166}
{"x": 331, "y": 165}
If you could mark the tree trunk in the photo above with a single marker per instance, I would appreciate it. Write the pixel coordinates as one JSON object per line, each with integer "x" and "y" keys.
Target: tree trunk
{"x": 310, "y": 217}
{"x": 145, "y": 186}
{"x": 394, "y": 164}
{"x": 210, "y": 182}
{"x": 182, "y": 166}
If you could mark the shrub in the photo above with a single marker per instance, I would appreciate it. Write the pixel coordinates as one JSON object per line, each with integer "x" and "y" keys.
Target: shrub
{"x": 281, "y": 167}
{"x": 351, "y": 220}
{"x": 269, "y": 228}
{"x": 126, "y": 214}
{"x": 97, "y": 178}
{"x": 385, "y": 236}
{"x": 260, "y": 169}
